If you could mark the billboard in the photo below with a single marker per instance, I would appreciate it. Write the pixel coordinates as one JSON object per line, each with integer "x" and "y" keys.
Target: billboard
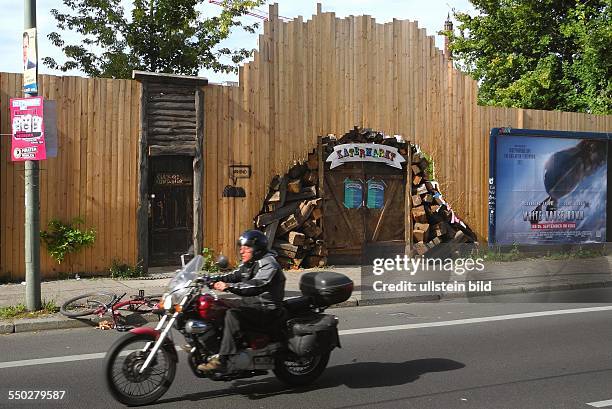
{"x": 547, "y": 187}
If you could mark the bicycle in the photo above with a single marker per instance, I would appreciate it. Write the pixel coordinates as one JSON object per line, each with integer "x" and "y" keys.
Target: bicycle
{"x": 100, "y": 302}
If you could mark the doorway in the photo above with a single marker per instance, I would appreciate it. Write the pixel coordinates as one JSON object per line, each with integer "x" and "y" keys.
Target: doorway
{"x": 364, "y": 216}
{"x": 171, "y": 208}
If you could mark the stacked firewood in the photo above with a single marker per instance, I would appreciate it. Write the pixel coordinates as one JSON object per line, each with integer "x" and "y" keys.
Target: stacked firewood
{"x": 291, "y": 216}
{"x": 434, "y": 221}
{"x": 363, "y": 135}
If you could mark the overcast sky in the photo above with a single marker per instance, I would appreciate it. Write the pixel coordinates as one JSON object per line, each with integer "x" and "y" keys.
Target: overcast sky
{"x": 429, "y": 14}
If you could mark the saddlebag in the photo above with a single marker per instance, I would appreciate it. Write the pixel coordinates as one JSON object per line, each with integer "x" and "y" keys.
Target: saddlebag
{"x": 326, "y": 287}
{"x": 315, "y": 334}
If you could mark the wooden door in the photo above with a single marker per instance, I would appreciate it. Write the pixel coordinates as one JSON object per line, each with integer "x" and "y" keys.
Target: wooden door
{"x": 384, "y": 212}
{"x": 357, "y": 231}
{"x": 344, "y": 231}
{"x": 171, "y": 215}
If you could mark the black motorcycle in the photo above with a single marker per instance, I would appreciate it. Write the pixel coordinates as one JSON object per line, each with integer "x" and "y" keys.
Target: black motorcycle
{"x": 140, "y": 366}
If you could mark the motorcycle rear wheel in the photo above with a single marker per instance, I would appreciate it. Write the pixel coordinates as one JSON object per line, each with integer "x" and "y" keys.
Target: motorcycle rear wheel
{"x": 122, "y": 365}
{"x": 300, "y": 371}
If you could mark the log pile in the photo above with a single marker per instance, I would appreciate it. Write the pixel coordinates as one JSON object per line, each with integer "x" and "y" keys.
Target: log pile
{"x": 291, "y": 216}
{"x": 364, "y": 135}
{"x": 434, "y": 221}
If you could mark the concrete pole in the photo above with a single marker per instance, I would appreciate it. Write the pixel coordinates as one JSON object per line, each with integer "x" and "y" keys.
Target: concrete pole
{"x": 32, "y": 201}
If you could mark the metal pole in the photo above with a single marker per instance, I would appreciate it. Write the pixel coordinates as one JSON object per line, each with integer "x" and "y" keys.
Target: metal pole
{"x": 32, "y": 202}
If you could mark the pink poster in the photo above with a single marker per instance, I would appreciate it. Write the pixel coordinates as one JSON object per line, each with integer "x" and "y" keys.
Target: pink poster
{"x": 28, "y": 129}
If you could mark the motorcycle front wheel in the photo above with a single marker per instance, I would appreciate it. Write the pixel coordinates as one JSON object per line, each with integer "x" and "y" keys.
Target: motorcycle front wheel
{"x": 300, "y": 371}
{"x": 123, "y": 363}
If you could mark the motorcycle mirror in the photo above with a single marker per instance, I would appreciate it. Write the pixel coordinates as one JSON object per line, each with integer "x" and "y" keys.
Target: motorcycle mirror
{"x": 222, "y": 262}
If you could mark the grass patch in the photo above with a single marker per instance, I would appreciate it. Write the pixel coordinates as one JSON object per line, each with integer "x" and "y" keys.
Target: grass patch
{"x": 124, "y": 270}
{"x": 20, "y": 311}
{"x": 514, "y": 254}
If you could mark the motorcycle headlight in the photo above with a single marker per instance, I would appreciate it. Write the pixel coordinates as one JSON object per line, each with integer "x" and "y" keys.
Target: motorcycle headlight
{"x": 168, "y": 302}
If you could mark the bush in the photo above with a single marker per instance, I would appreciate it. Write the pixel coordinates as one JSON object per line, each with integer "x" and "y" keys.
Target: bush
{"x": 124, "y": 270}
{"x": 65, "y": 238}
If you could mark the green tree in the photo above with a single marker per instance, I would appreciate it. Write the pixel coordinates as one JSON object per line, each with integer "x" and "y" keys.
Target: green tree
{"x": 168, "y": 36}
{"x": 540, "y": 54}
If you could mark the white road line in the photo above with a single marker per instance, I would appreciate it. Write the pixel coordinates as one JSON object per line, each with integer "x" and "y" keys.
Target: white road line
{"x": 474, "y": 320}
{"x": 54, "y": 360}
{"x": 100, "y": 355}
{"x": 601, "y": 404}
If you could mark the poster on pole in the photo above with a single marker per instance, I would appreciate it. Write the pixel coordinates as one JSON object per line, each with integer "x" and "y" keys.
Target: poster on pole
{"x": 28, "y": 129}
{"x": 547, "y": 187}
{"x": 30, "y": 62}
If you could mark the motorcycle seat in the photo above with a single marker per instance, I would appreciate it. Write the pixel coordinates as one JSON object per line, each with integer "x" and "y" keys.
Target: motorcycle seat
{"x": 297, "y": 305}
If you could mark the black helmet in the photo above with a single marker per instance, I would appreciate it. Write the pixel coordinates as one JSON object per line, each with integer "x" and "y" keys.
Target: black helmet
{"x": 255, "y": 240}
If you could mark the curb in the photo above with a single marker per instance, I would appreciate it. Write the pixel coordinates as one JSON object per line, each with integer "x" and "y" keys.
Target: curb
{"x": 61, "y": 322}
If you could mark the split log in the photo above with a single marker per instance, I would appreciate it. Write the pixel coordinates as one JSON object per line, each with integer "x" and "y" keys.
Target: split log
{"x": 280, "y": 213}
{"x": 311, "y": 178}
{"x": 439, "y": 229}
{"x": 275, "y": 197}
{"x": 294, "y": 186}
{"x": 421, "y": 190}
{"x": 315, "y": 261}
{"x": 317, "y": 213}
{"x": 312, "y": 230}
{"x": 306, "y": 193}
{"x": 421, "y": 248}
{"x": 415, "y": 169}
{"x": 416, "y": 180}
{"x": 288, "y": 224}
{"x": 296, "y": 238}
{"x": 416, "y": 200}
{"x": 419, "y": 215}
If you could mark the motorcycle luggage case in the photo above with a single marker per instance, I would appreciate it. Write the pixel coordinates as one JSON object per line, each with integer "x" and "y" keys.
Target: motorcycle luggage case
{"x": 326, "y": 287}
{"x": 313, "y": 334}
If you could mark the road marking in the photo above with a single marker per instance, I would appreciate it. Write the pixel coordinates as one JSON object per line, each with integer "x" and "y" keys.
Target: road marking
{"x": 474, "y": 320}
{"x": 601, "y": 404}
{"x": 54, "y": 360}
{"x": 100, "y": 355}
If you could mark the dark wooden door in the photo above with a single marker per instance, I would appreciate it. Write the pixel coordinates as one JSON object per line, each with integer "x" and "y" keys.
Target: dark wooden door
{"x": 171, "y": 215}
{"x": 373, "y": 229}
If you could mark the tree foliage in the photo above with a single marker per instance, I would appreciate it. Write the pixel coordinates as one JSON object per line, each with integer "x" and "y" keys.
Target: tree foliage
{"x": 540, "y": 54}
{"x": 168, "y": 36}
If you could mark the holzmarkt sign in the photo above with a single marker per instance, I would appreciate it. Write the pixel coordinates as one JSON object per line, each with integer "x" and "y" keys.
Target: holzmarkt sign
{"x": 365, "y": 152}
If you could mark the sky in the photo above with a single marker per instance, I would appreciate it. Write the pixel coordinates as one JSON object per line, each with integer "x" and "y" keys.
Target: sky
{"x": 429, "y": 14}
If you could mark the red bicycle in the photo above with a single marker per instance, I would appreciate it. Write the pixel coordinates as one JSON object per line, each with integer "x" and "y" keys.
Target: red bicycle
{"x": 99, "y": 303}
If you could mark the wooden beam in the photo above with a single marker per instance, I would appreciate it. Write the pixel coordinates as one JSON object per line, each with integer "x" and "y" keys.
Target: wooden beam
{"x": 198, "y": 175}
{"x": 143, "y": 185}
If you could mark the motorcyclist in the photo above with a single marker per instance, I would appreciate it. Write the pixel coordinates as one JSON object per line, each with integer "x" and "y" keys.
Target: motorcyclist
{"x": 260, "y": 281}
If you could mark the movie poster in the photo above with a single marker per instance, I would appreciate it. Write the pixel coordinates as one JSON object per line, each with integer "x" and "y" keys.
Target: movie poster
{"x": 550, "y": 190}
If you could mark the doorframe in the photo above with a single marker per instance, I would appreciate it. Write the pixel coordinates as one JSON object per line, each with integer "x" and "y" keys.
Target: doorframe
{"x": 408, "y": 239}
{"x": 142, "y": 211}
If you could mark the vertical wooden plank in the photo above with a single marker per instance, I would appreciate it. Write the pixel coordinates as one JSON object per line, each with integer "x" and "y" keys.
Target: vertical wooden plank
{"x": 143, "y": 188}
{"x": 198, "y": 188}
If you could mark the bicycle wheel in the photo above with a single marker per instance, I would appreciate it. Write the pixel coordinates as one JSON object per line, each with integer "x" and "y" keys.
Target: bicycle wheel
{"x": 86, "y": 304}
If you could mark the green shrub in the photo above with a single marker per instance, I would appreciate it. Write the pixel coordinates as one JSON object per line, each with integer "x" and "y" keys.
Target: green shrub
{"x": 66, "y": 238}
{"x": 124, "y": 270}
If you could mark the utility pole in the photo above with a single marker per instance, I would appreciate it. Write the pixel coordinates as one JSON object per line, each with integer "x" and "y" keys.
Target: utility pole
{"x": 32, "y": 200}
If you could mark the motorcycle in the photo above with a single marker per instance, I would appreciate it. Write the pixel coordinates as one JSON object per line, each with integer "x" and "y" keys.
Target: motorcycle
{"x": 140, "y": 366}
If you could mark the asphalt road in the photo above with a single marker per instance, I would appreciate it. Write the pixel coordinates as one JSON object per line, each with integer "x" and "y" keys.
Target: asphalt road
{"x": 441, "y": 355}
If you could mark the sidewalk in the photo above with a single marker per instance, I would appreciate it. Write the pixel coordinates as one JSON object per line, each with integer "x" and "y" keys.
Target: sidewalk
{"x": 505, "y": 277}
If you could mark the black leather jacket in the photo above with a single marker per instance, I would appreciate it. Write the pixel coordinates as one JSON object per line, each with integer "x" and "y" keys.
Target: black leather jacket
{"x": 260, "y": 282}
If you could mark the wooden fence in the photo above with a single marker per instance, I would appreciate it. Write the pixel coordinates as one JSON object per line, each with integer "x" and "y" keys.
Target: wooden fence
{"x": 308, "y": 78}
{"x": 327, "y": 75}
{"x": 94, "y": 175}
